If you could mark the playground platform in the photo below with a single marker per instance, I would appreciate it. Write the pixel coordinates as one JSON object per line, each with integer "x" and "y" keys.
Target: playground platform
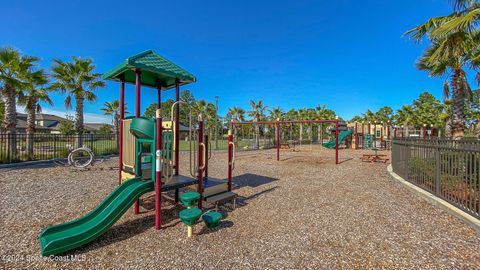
{"x": 301, "y": 212}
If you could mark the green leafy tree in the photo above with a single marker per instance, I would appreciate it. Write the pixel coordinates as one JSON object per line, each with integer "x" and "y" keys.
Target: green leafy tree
{"x": 384, "y": 115}
{"x": 66, "y": 127}
{"x": 78, "y": 80}
{"x": 105, "y": 129}
{"x": 427, "y": 111}
{"x": 473, "y": 113}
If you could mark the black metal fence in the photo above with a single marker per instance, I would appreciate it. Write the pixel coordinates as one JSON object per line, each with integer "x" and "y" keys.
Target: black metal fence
{"x": 448, "y": 168}
{"x": 21, "y": 147}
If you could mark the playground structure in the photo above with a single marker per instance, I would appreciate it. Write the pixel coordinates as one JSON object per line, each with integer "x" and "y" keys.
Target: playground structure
{"x": 275, "y": 134}
{"x": 370, "y": 136}
{"x": 379, "y": 135}
{"x": 149, "y": 160}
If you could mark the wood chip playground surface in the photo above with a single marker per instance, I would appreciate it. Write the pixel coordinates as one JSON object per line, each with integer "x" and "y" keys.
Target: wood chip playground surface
{"x": 301, "y": 212}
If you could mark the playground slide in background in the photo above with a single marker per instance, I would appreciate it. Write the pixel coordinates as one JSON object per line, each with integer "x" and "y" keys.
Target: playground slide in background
{"x": 341, "y": 137}
{"x": 62, "y": 237}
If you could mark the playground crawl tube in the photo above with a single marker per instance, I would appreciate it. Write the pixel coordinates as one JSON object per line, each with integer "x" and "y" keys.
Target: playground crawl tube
{"x": 341, "y": 137}
{"x": 63, "y": 237}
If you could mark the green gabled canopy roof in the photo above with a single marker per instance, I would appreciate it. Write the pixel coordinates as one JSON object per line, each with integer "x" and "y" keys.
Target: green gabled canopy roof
{"x": 156, "y": 70}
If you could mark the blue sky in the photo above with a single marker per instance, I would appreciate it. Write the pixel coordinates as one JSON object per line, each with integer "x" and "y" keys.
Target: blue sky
{"x": 348, "y": 55}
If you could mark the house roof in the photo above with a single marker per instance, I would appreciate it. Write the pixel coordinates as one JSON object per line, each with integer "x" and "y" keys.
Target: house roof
{"x": 49, "y": 117}
{"x": 22, "y": 124}
{"x": 94, "y": 126}
{"x": 157, "y": 71}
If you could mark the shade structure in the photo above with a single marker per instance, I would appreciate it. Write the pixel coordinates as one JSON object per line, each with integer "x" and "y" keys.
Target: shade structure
{"x": 157, "y": 71}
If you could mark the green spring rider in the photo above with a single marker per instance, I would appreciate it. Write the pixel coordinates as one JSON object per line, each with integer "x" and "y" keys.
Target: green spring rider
{"x": 191, "y": 215}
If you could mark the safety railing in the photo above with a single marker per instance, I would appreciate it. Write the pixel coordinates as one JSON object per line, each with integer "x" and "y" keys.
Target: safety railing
{"x": 43, "y": 146}
{"x": 448, "y": 168}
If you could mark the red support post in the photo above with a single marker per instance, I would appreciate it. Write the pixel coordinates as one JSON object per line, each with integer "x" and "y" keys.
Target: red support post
{"x": 207, "y": 148}
{"x": 177, "y": 129}
{"x": 120, "y": 130}
{"x": 356, "y": 137}
{"x": 200, "y": 161}
{"x": 230, "y": 159}
{"x": 138, "y": 78}
{"x": 277, "y": 135}
{"x": 388, "y": 131}
{"x": 158, "y": 164}
{"x": 336, "y": 142}
{"x": 395, "y": 132}
{"x": 381, "y": 137}
{"x": 424, "y": 131}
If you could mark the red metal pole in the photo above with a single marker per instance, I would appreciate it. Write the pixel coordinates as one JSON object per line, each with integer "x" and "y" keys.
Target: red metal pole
{"x": 381, "y": 137}
{"x": 138, "y": 74}
{"x": 120, "y": 130}
{"x": 177, "y": 129}
{"x": 388, "y": 131}
{"x": 200, "y": 161}
{"x": 395, "y": 132}
{"x": 356, "y": 136}
{"x": 363, "y": 135}
{"x": 424, "y": 131}
{"x": 230, "y": 159}
{"x": 158, "y": 165}
{"x": 277, "y": 134}
{"x": 336, "y": 142}
{"x": 206, "y": 150}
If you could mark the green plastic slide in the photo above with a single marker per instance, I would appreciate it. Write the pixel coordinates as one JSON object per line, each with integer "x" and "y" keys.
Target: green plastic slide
{"x": 63, "y": 237}
{"x": 341, "y": 137}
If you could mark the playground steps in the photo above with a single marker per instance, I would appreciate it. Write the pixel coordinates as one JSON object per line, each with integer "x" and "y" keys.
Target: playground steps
{"x": 223, "y": 198}
{"x": 212, "y": 186}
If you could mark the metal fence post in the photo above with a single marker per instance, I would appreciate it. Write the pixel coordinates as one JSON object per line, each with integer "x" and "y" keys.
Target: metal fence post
{"x": 437, "y": 168}
{"x": 55, "y": 145}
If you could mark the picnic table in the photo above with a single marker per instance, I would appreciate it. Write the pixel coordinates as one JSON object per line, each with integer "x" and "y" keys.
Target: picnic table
{"x": 374, "y": 157}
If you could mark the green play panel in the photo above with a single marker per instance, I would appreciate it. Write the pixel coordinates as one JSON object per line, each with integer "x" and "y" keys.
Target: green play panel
{"x": 190, "y": 216}
{"x": 189, "y": 198}
{"x": 143, "y": 128}
{"x": 212, "y": 219}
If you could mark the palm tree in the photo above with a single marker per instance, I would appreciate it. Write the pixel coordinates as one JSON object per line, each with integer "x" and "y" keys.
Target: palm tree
{"x": 113, "y": 108}
{"x": 464, "y": 18}
{"x": 79, "y": 81}
{"x": 14, "y": 69}
{"x": 276, "y": 113}
{"x": 236, "y": 114}
{"x": 30, "y": 98}
{"x": 454, "y": 47}
{"x": 209, "y": 112}
{"x": 257, "y": 112}
{"x": 450, "y": 56}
